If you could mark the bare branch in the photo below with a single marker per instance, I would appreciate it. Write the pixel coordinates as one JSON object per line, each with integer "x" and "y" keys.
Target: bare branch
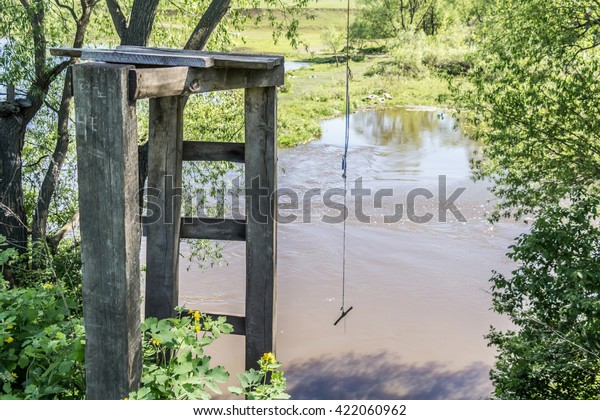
{"x": 68, "y": 8}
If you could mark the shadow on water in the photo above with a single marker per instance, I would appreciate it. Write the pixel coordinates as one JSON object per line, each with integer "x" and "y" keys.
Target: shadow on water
{"x": 380, "y": 377}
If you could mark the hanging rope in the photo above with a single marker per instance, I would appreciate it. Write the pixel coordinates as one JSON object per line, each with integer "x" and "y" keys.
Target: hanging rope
{"x": 345, "y": 166}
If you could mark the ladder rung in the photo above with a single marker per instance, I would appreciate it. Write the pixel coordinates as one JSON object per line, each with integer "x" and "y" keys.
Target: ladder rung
{"x": 208, "y": 228}
{"x": 213, "y": 151}
{"x": 217, "y": 229}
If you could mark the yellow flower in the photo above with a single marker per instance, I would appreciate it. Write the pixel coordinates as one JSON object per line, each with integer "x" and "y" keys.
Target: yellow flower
{"x": 9, "y": 340}
{"x": 268, "y": 358}
{"x": 197, "y": 328}
{"x": 191, "y": 311}
{"x": 10, "y": 327}
{"x": 197, "y": 316}
{"x": 155, "y": 342}
{"x": 47, "y": 286}
{"x": 14, "y": 375}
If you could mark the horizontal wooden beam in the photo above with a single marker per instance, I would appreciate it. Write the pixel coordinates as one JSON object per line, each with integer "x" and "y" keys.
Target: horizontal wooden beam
{"x": 221, "y": 59}
{"x": 214, "y": 151}
{"x": 216, "y": 229}
{"x": 146, "y": 57}
{"x": 173, "y": 81}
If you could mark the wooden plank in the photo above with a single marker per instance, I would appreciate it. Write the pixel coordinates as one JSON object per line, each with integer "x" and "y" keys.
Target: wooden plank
{"x": 261, "y": 212}
{"x": 156, "y": 83}
{"x": 206, "y": 228}
{"x": 138, "y": 57}
{"x": 164, "y": 201}
{"x": 213, "y": 228}
{"x": 213, "y": 151}
{"x": 106, "y": 133}
{"x": 150, "y": 83}
{"x": 246, "y": 61}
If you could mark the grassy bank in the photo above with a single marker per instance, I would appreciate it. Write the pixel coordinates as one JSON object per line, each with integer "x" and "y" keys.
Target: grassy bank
{"x": 317, "y": 92}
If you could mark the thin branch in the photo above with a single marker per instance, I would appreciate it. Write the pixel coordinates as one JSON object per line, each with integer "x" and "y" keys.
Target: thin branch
{"x": 70, "y": 9}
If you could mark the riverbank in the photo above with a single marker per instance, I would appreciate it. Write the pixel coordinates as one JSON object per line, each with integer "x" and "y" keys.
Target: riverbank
{"x": 317, "y": 92}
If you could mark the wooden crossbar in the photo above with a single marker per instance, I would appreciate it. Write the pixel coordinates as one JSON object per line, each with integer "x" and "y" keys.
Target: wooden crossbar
{"x": 213, "y": 151}
{"x": 207, "y": 228}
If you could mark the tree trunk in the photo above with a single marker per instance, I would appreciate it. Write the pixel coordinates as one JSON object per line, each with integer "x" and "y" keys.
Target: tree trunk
{"x": 59, "y": 155}
{"x": 140, "y": 23}
{"x": 13, "y": 220}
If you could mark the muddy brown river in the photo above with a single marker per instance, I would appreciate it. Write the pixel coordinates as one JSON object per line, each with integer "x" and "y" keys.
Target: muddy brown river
{"x": 420, "y": 291}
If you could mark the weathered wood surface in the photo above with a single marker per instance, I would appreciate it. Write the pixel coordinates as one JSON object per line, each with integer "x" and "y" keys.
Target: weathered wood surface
{"x": 261, "y": 235}
{"x": 107, "y": 156}
{"x": 140, "y": 56}
{"x": 246, "y": 61}
{"x": 172, "y": 81}
{"x": 218, "y": 229}
{"x": 164, "y": 201}
{"x": 213, "y": 228}
{"x": 213, "y": 151}
{"x": 156, "y": 83}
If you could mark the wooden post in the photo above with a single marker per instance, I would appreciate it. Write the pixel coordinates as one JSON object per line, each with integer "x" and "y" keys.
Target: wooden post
{"x": 164, "y": 201}
{"x": 107, "y": 163}
{"x": 261, "y": 210}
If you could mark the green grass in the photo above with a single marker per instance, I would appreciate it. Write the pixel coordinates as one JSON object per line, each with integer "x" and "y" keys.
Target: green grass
{"x": 258, "y": 38}
{"x": 317, "y": 92}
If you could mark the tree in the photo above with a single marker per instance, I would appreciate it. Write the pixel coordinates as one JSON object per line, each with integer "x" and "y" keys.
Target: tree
{"x": 29, "y": 28}
{"x": 334, "y": 39}
{"x": 26, "y": 23}
{"x": 532, "y": 103}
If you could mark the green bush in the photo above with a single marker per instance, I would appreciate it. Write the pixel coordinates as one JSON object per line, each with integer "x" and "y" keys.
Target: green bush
{"x": 41, "y": 344}
{"x": 266, "y": 383}
{"x": 175, "y": 364}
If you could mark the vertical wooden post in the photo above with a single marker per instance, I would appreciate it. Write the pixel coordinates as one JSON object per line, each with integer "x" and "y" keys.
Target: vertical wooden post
{"x": 107, "y": 163}
{"x": 261, "y": 211}
{"x": 164, "y": 202}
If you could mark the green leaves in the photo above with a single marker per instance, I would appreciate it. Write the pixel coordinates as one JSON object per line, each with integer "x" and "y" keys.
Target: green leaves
{"x": 531, "y": 102}
{"x": 41, "y": 348}
{"x": 175, "y": 365}
{"x": 267, "y": 383}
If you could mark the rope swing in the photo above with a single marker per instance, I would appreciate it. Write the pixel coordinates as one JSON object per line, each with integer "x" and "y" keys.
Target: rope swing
{"x": 345, "y": 167}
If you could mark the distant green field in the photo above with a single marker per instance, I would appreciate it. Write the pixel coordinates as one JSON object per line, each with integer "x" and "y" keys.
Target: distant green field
{"x": 259, "y": 38}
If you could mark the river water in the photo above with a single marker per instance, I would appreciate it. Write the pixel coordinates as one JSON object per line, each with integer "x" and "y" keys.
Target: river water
{"x": 420, "y": 291}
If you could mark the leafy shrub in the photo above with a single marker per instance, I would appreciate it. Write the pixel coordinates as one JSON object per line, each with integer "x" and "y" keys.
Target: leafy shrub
{"x": 42, "y": 348}
{"x": 267, "y": 383}
{"x": 552, "y": 299}
{"x": 41, "y": 344}
{"x": 175, "y": 364}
